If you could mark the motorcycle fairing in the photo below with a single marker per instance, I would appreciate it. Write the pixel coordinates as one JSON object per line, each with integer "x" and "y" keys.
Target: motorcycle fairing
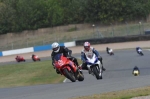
{"x": 62, "y": 62}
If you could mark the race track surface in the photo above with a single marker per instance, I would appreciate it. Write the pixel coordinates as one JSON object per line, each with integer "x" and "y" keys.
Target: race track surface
{"x": 118, "y": 76}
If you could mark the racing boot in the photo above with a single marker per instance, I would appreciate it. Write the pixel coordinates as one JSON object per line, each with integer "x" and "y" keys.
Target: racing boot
{"x": 89, "y": 71}
{"x": 80, "y": 67}
{"x": 103, "y": 68}
{"x": 77, "y": 64}
{"x": 101, "y": 60}
{"x": 57, "y": 71}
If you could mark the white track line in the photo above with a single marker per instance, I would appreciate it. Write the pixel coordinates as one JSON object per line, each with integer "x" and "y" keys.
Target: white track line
{"x": 65, "y": 80}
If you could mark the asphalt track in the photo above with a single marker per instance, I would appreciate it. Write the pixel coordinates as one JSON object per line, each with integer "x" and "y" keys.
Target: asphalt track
{"x": 118, "y": 76}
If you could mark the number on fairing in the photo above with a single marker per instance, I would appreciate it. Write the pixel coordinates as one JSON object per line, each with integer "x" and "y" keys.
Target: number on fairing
{"x": 60, "y": 62}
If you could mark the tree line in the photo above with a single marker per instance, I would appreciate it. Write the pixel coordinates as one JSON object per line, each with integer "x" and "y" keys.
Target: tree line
{"x": 19, "y": 15}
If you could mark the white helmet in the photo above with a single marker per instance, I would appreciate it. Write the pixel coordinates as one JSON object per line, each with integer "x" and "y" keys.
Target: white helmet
{"x": 55, "y": 47}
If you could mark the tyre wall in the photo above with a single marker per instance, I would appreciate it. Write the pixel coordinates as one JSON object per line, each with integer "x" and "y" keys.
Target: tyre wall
{"x": 114, "y": 39}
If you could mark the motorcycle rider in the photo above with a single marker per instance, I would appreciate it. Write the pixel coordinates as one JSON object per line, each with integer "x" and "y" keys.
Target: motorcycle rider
{"x": 18, "y": 57}
{"x": 33, "y": 56}
{"x": 57, "y": 49}
{"x": 109, "y": 50}
{"x": 136, "y": 69}
{"x": 138, "y": 49}
{"x": 88, "y": 48}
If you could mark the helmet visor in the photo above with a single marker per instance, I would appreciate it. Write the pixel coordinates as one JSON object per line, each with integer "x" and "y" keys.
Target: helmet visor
{"x": 87, "y": 47}
{"x": 55, "y": 49}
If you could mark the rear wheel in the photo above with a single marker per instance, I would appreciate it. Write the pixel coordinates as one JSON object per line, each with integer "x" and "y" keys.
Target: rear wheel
{"x": 97, "y": 72}
{"x": 141, "y": 53}
{"x": 69, "y": 75}
{"x": 111, "y": 53}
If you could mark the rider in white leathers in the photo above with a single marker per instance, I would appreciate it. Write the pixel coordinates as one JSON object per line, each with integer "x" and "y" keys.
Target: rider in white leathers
{"x": 109, "y": 50}
{"x": 138, "y": 49}
{"x": 87, "y": 49}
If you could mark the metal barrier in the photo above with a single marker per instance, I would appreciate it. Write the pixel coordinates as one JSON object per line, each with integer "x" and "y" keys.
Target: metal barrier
{"x": 47, "y": 36}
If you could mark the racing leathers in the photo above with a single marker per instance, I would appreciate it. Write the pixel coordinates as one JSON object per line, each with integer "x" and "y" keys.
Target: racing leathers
{"x": 83, "y": 57}
{"x": 67, "y": 53}
{"x": 33, "y": 56}
{"x": 107, "y": 50}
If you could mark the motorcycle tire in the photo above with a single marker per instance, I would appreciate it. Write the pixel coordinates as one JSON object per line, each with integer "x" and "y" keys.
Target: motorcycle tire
{"x": 69, "y": 75}
{"x": 141, "y": 54}
{"x": 96, "y": 73}
{"x": 111, "y": 54}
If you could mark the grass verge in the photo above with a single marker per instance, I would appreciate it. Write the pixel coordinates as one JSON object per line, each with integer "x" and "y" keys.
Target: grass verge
{"x": 124, "y": 94}
{"x": 25, "y": 74}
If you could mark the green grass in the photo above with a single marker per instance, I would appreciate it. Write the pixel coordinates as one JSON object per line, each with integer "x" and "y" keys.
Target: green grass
{"x": 123, "y": 94}
{"x": 25, "y": 74}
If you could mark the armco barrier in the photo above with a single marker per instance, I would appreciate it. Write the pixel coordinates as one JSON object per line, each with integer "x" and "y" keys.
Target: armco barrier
{"x": 1, "y": 54}
{"x": 41, "y": 48}
{"x": 114, "y": 39}
{"x": 70, "y": 44}
{"x": 49, "y": 47}
{"x": 44, "y": 47}
{"x": 17, "y": 51}
{"x": 35, "y": 49}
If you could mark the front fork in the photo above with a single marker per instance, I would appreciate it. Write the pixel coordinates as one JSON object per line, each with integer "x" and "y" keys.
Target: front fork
{"x": 99, "y": 68}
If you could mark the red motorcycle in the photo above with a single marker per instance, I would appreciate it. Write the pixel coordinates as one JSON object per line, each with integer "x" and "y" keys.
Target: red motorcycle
{"x": 20, "y": 59}
{"x": 67, "y": 68}
{"x": 35, "y": 58}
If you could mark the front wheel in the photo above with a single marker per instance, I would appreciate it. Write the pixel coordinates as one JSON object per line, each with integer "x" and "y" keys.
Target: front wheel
{"x": 97, "y": 73}
{"x": 141, "y": 54}
{"x": 69, "y": 75}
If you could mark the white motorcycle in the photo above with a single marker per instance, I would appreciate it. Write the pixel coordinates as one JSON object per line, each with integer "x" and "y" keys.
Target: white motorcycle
{"x": 94, "y": 65}
{"x": 139, "y": 51}
{"x": 111, "y": 52}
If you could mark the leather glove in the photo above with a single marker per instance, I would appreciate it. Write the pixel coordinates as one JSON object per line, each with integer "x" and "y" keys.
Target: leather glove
{"x": 68, "y": 57}
{"x": 99, "y": 57}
